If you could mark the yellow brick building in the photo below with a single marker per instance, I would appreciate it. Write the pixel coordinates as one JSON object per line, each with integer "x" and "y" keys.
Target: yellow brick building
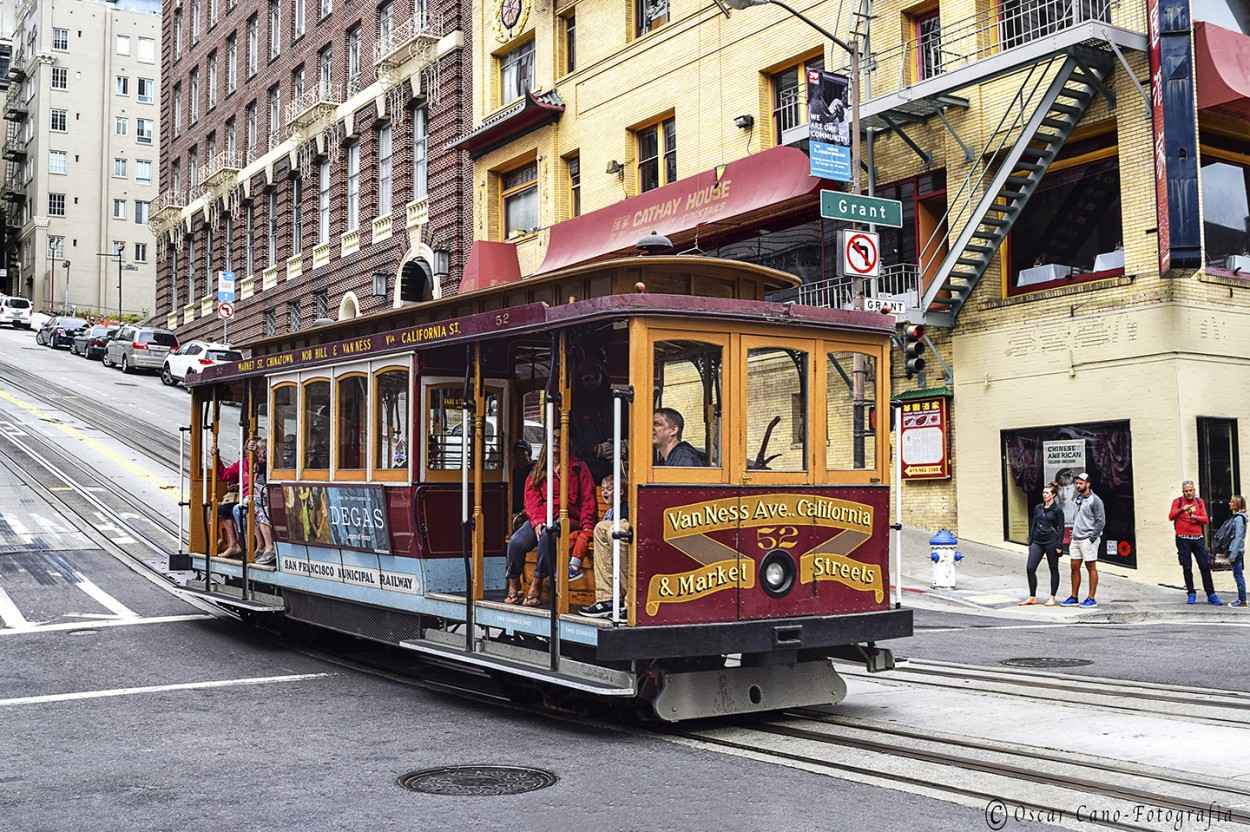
{"x": 1031, "y": 146}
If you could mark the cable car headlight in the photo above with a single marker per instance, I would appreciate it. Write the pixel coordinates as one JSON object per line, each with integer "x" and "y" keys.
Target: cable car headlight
{"x": 777, "y": 573}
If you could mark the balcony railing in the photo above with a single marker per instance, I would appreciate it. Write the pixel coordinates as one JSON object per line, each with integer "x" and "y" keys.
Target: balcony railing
{"x": 898, "y": 281}
{"x": 15, "y": 148}
{"x": 313, "y": 105}
{"x": 15, "y": 106}
{"x": 222, "y": 169}
{"x": 403, "y": 42}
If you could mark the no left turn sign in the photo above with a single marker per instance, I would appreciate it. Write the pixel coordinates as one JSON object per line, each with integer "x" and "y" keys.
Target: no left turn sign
{"x": 225, "y": 310}
{"x": 860, "y": 254}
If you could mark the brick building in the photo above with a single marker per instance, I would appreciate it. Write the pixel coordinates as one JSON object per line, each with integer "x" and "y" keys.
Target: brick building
{"x": 304, "y": 153}
{"x": 1073, "y": 225}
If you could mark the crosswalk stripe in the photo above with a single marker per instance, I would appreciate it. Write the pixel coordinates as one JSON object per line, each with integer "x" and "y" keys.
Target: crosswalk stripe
{"x": 28, "y": 629}
{"x": 10, "y": 615}
{"x": 98, "y": 694}
{"x": 78, "y": 579}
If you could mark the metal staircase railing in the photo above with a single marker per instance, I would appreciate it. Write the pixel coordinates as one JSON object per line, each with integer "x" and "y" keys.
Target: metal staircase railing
{"x": 1003, "y": 178}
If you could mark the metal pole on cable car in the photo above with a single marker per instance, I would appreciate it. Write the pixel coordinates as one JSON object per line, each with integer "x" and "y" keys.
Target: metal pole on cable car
{"x": 619, "y": 397}
{"x": 466, "y": 439}
{"x": 550, "y": 529}
{"x": 897, "y": 526}
{"x": 184, "y": 473}
{"x": 210, "y": 504}
{"x": 245, "y": 470}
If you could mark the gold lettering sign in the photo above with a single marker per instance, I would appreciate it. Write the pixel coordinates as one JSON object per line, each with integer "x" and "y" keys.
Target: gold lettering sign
{"x": 765, "y": 509}
{"x": 699, "y": 583}
{"x": 824, "y": 566}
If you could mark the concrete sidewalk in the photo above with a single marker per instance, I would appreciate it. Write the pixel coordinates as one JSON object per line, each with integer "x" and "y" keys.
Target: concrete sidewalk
{"x": 991, "y": 581}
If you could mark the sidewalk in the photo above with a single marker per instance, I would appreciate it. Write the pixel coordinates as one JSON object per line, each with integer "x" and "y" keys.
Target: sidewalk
{"x": 990, "y": 581}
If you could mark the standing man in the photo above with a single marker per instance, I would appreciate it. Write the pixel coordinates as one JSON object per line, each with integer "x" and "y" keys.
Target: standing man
{"x": 1087, "y": 526}
{"x": 666, "y": 429}
{"x": 1188, "y": 516}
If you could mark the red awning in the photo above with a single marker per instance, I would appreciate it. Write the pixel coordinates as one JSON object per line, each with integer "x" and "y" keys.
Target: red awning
{"x": 490, "y": 263}
{"x": 1223, "y": 70}
{"x": 747, "y": 185}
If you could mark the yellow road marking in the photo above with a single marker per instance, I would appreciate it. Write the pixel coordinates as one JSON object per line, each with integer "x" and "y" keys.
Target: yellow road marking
{"x": 74, "y": 433}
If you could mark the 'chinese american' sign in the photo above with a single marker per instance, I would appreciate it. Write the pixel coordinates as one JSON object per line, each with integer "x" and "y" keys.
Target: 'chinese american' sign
{"x": 346, "y": 517}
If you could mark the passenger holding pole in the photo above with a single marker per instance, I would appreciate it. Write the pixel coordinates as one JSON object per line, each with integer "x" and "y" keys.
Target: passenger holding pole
{"x": 602, "y": 607}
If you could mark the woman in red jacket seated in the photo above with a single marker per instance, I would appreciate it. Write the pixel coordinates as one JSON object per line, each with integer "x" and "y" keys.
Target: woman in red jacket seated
{"x": 581, "y": 517}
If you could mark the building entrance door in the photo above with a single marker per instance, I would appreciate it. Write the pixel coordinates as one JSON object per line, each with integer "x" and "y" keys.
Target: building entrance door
{"x": 1218, "y": 475}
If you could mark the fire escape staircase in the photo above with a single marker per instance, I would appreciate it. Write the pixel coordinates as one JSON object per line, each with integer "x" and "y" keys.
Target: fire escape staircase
{"x": 1005, "y": 176}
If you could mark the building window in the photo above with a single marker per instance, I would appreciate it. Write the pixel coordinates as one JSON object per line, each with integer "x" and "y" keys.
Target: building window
{"x": 56, "y": 246}
{"x": 321, "y": 300}
{"x": 575, "y": 186}
{"x": 384, "y": 171}
{"x": 146, "y": 52}
{"x": 297, "y": 215}
{"x": 177, "y": 110}
{"x": 299, "y": 17}
{"x": 327, "y": 6}
{"x": 122, "y": 85}
{"x": 60, "y": 39}
{"x": 253, "y": 44}
{"x": 420, "y": 155}
{"x": 929, "y": 44}
{"x": 119, "y": 168}
{"x": 212, "y": 12}
{"x": 275, "y": 28}
{"x": 273, "y": 227}
{"x": 177, "y": 34}
{"x": 516, "y": 73}
{"x": 790, "y": 96}
{"x": 271, "y": 322}
{"x": 119, "y": 209}
{"x": 58, "y": 161}
{"x": 421, "y": 14}
{"x": 229, "y": 242}
{"x": 212, "y": 81}
{"x": 147, "y": 90}
{"x": 353, "y": 186}
{"x": 60, "y": 78}
{"x": 194, "y": 95}
{"x": 121, "y": 125}
{"x": 325, "y": 62}
{"x": 141, "y": 212}
{"x": 175, "y": 178}
{"x": 520, "y": 200}
{"x": 1225, "y": 207}
{"x": 195, "y": 21}
{"x": 193, "y": 167}
{"x": 251, "y": 129}
{"x": 657, "y": 155}
{"x": 570, "y": 42}
{"x": 56, "y": 205}
{"x": 141, "y": 252}
{"x": 143, "y": 171}
{"x": 292, "y": 316}
{"x": 231, "y": 143}
{"x": 353, "y": 59}
{"x": 650, "y": 15}
{"x": 232, "y": 61}
{"x": 60, "y": 120}
{"x": 249, "y": 235}
{"x": 323, "y": 203}
{"x": 123, "y": 44}
{"x": 297, "y": 86}
{"x": 275, "y": 115}
{"x": 386, "y": 26}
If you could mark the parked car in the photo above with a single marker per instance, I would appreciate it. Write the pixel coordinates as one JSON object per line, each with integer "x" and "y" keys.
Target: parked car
{"x": 15, "y": 311}
{"x": 139, "y": 348}
{"x": 90, "y": 342}
{"x": 59, "y": 331}
{"x": 193, "y": 356}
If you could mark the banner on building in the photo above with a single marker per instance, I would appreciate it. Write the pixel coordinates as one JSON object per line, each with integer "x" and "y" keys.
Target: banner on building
{"x": 1061, "y": 462}
{"x": 829, "y": 125}
{"x": 924, "y": 427}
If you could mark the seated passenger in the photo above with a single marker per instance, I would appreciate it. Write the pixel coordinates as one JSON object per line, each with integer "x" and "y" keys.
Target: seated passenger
{"x": 229, "y": 474}
{"x": 265, "y": 554}
{"x": 666, "y": 429}
{"x": 602, "y": 607}
{"x": 535, "y": 533}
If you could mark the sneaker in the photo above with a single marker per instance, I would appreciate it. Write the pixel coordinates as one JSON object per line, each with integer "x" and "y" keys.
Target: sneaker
{"x": 1071, "y": 602}
{"x": 575, "y": 574}
{"x": 1240, "y": 602}
{"x": 1089, "y": 602}
{"x": 1193, "y": 598}
{"x": 599, "y": 609}
{"x": 266, "y": 558}
{"x": 1214, "y": 600}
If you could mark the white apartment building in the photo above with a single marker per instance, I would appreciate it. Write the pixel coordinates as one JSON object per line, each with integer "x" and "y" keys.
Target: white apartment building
{"x": 81, "y": 151}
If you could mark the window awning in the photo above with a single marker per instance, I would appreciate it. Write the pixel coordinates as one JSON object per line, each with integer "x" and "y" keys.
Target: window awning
{"x": 735, "y": 194}
{"x": 490, "y": 263}
{"x": 1223, "y": 70}
{"x": 532, "y": 111}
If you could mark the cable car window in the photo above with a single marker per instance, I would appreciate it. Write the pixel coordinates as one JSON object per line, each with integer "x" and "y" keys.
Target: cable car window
{"x": 686, "y": 423}
{"x": 851, "y": 379}
{"x": 391, "y": 420}
{"x": 353, "y": 422}
{"x": 777, "y": 409}
{"x": 445, "y": 432}
{"x": 316, "y": 425}
{"x": 282, "y": 439}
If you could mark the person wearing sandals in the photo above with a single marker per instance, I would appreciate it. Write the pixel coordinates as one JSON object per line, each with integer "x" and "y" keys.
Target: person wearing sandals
{"x": 1045, "y": 539}
{"x": 1237, "y": 548}
{"x": 535, "y": 533}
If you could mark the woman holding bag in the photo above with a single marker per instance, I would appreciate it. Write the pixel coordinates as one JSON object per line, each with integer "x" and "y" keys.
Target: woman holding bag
{"x": 1045, "y": 538}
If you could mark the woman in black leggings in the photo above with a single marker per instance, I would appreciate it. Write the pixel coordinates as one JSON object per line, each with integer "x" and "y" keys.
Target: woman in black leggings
{"x": 1045, "y": 538}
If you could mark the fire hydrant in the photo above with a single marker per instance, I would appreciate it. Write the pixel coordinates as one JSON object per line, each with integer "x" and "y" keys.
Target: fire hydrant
{"x": 944, "y": 557}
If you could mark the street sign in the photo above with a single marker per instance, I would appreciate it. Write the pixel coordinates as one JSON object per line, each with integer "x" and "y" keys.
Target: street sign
{"x": 225, "y": 310}
{"x": 225, "y": 287}
{"x": 924, "y": 442}
{"x": 860, "y": 254}
{"x": 886, "y": 305}
{"x": 835, "y": 205}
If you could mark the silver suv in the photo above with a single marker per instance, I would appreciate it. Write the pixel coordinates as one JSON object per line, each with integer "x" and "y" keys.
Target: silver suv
{"x": 139, "y": 348}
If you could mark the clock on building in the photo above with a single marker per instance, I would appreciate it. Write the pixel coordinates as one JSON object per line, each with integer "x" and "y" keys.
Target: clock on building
{"x": 510, "y": 17}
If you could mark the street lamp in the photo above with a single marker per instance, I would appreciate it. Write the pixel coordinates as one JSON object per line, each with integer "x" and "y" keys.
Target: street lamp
{"x": 65, "y": 305}
{"x": 119, "y": 254}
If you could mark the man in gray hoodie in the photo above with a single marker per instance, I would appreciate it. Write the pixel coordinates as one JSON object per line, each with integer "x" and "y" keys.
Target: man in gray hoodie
{"x": 1087, "y": 526}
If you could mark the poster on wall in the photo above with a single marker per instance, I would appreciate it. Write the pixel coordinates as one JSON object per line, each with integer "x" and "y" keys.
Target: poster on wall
{"x": 346, "y": 517}
{"x": 924, "y": 439}
{"x": 1061, "y": 462}
{"x": 829, "y": 125}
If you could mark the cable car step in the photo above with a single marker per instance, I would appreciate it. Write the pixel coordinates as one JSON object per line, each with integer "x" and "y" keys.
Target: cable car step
{"x": 517, "y": 667}
{"x": 232, "y": 596}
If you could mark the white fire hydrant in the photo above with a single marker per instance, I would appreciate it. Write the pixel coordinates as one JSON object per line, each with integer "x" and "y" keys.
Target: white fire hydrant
{"x": 944, "y": 558}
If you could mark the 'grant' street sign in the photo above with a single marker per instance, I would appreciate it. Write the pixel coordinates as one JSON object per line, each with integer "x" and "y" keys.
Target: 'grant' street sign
{"x": 835, "y": 205}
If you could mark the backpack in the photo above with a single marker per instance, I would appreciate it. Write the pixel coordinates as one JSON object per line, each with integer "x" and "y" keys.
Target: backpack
{"x": 1222, "y": 541}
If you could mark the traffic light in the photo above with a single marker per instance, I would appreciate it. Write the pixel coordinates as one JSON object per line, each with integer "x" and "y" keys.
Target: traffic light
{"x": 913, "y": 348}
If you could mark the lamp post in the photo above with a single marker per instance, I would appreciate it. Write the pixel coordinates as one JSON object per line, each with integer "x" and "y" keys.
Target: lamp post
{"x": 65, "y": 305}
{"x": 52, "y": 288}
{"x": 119, "y": 254}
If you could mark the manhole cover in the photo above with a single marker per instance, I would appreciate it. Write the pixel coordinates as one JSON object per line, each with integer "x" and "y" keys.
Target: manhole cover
{"x": 478, "y": 781}
{"x": 1045, "y": 662}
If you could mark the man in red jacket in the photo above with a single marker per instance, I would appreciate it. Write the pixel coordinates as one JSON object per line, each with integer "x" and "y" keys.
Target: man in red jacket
{"x": 1188, "y": 516}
